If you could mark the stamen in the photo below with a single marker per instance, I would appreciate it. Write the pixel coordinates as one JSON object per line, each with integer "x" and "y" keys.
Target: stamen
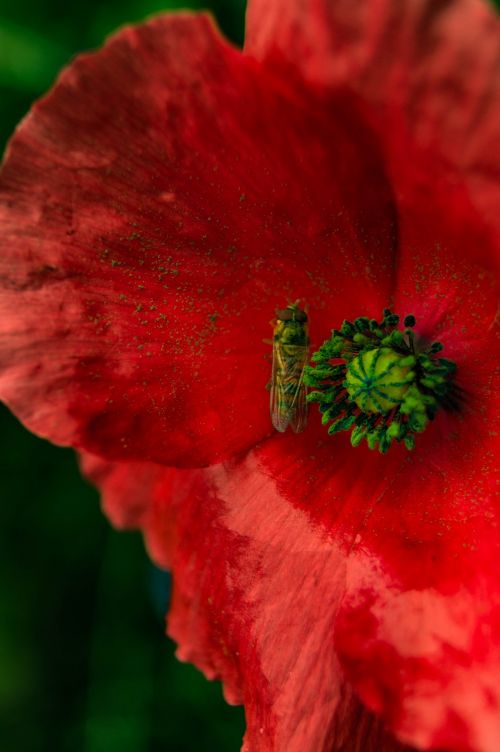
{"x": 387, "y": 389}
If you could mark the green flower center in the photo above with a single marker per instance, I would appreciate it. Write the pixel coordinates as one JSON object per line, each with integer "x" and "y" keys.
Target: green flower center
{"x": 379, "y": 382}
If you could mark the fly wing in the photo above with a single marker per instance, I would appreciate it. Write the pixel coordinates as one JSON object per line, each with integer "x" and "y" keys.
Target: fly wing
{"x": 288, "y": 392}
{"x": 299, "y": 418}
{"x": 280, "y": 414}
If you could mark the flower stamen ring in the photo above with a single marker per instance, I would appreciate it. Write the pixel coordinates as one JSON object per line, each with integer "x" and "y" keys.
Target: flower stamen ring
{"x": 377, "y": 381}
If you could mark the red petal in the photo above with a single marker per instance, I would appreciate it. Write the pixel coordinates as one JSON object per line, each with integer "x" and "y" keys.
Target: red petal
{"x": 426, "y": 73}
{"x": 155, "y": 209}
{"x": 308, "y": 561}
{"x": 258, "y": 616}
{"x": 444, "y": 277}
{"x": 258, "y": 591}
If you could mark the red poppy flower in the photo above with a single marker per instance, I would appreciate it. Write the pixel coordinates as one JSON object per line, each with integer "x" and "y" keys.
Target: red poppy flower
{"x": 155, "y": 208}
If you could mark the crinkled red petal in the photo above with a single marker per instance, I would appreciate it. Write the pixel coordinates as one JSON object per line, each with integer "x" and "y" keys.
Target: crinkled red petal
{"x": 300, "y": 565}
{"x": 155, "y": 209}
{"x": 307, "y": 564}
{"x": 257, "y": 616}
{"x": 426, "y": 75}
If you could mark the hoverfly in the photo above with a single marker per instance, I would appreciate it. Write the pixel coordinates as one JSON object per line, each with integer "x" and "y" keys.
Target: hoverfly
{"x": 290, "y": 351}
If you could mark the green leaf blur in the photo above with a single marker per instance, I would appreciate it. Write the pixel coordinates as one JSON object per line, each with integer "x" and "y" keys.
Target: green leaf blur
{"x": 85, "y": 665}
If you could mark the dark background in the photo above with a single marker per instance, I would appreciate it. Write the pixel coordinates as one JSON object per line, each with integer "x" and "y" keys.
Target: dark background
{"x": 84, "y": 663}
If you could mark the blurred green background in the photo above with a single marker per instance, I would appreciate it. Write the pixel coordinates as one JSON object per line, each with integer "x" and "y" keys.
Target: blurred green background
{"x": 84, "y": 663}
